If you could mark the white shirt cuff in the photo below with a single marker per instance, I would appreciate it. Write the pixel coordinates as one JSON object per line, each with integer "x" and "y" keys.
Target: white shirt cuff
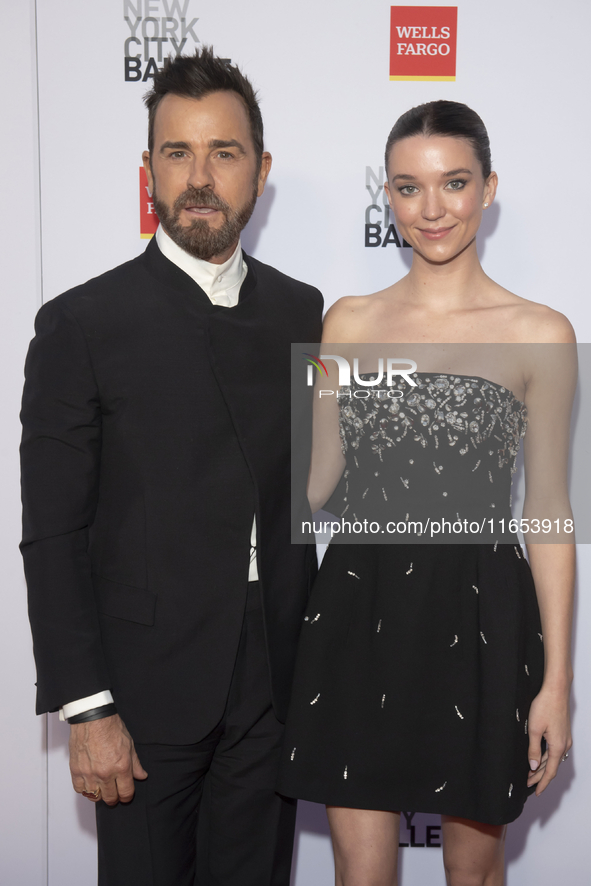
{"x": 86, "y": 704}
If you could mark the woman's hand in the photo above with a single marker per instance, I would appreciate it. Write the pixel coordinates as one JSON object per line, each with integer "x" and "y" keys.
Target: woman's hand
{"x": 548, "y": 718}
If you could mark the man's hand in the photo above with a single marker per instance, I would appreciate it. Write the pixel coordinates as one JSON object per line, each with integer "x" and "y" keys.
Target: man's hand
{"x": 102, "y": 755}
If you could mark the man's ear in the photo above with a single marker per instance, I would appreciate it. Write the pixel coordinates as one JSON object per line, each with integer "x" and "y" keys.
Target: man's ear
{"x": 266, "y": 161}
{"x": 148, "y": 168}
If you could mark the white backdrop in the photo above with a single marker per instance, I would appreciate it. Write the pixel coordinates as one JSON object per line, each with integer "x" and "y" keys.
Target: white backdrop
{"x": 73, "y": 133}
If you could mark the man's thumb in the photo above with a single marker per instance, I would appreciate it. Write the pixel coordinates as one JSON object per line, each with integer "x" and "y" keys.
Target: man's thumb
{"x": 137, "y": 768}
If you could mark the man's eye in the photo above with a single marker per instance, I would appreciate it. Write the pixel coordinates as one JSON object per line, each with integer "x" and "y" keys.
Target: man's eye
{"x": 457, "y": 184}
{"x": 177, "y": 154}
{"x": 225, "y": 155}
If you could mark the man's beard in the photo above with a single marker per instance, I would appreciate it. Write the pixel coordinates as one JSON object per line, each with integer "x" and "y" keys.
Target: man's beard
{"x": 198, "y": 238}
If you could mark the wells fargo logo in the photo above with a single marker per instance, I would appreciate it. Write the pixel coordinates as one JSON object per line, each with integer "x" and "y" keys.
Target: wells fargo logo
{"x": 423, "y": 42}
{"x": 148, "y": 218}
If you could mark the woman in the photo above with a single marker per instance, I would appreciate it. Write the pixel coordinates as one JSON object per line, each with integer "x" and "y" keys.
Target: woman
{"x": 436, "y": 677}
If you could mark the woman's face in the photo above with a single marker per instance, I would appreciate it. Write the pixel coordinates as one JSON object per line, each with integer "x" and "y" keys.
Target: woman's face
{"x": 437, "y": 193}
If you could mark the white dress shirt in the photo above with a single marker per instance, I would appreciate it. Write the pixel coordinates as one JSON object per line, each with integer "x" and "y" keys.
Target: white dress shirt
{"x": 221, "y": 283}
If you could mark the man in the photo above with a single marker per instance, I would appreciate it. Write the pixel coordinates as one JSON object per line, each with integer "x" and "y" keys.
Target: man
{"x": 156, "y": 443}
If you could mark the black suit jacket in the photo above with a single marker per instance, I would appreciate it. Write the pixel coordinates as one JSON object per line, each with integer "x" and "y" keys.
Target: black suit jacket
{"x": 155, "y": 425}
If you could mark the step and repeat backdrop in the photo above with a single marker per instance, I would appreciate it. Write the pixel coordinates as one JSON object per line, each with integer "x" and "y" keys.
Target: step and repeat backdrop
{"x": 332, "y": 78}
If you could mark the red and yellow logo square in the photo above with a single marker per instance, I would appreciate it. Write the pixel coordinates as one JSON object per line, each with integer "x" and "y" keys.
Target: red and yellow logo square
{"x": 148, "y": 218}
{"x": 423, "y": 42}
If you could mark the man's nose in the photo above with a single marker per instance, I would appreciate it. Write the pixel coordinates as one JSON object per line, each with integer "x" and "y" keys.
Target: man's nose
{"x": 200, "y": 174}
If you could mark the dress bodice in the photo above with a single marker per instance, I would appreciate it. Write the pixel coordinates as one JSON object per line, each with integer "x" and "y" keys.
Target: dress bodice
{"x": 445, "y": 448}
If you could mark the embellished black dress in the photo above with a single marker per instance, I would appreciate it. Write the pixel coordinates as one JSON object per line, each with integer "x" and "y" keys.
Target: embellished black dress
{"x": 418, "y": 663}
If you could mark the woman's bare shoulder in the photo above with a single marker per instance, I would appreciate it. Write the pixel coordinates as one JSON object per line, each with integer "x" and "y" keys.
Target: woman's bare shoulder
{"x": 349, "y": 317}
{"x": 534, "y": 322}
{"x": 518, "y": 319}
{"x": 346, "y": 319}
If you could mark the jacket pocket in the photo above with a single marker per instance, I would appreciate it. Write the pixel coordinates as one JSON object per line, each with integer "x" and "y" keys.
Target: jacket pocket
{"x": 124, "y": 601}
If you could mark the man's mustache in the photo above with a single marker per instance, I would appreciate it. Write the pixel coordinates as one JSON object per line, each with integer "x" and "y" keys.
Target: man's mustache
{"x": 200, "y": 196}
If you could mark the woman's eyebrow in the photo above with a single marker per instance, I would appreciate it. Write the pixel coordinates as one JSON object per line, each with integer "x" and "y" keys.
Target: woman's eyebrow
{"x": 407, "y": 177}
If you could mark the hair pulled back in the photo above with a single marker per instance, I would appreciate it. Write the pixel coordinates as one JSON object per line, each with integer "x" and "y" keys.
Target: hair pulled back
{"x": 447, "y": 118}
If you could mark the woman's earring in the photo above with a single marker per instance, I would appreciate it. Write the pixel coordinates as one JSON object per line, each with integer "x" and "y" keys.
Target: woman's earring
{"x": 485, "y": 205}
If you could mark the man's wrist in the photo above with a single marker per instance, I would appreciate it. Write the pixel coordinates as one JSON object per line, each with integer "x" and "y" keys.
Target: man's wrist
{"x": 81, "y": 705}
{"x": 106, "y": 710}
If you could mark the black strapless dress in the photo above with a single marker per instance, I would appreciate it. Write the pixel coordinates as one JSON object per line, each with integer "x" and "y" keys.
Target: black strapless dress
{"x": 418, "y": 663}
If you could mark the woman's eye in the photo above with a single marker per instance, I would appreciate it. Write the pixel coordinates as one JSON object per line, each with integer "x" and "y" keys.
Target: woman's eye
{"x": 456, "y": 185}
{"x": 408, "y": 190}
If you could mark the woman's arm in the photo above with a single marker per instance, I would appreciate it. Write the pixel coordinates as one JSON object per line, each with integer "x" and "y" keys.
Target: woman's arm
{"x": 328, "y": 460}
{"x": 549, "y": 396}
{"x": 553, "y": 569}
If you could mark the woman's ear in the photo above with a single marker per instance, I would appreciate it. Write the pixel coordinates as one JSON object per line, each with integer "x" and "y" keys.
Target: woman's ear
{"x": 490, "y": 190}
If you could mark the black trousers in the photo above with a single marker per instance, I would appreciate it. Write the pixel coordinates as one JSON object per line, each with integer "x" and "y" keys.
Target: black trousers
{"x": 208, "y": 814}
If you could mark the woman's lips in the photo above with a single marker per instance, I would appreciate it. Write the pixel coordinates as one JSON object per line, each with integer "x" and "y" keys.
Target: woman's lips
{"x": 435, "y": 233}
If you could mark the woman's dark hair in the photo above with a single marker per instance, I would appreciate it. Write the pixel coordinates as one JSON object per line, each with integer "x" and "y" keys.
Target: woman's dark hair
{"x": 444, "y": 118}
{"x": 195, "y": 76}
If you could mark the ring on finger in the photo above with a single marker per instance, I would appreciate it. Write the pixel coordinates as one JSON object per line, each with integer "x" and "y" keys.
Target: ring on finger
{"x": 92, "y": 795}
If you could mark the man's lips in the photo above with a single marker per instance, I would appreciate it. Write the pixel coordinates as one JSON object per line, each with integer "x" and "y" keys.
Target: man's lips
{"x": 435, "y": 233}
{"x": 202, "y": 210}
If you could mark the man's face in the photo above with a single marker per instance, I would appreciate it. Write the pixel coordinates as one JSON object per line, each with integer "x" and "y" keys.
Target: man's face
{"x": 203, "y": 173}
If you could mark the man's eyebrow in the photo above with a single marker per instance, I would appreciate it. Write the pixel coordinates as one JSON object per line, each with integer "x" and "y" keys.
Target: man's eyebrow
{"x": 226, "y": 143}
{"x": 175, "y": 146}
{"x": 213, "y": 143}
